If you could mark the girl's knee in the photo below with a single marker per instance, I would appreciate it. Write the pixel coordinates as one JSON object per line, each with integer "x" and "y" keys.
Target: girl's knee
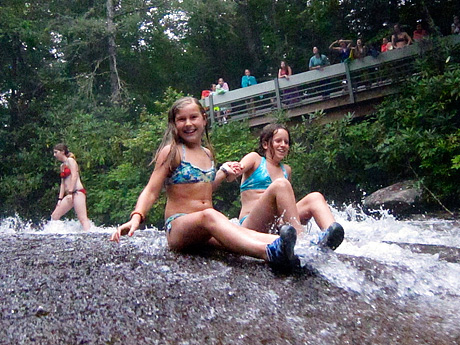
{"x": 316, "y": 197}
{"x": 281, "y": 184}
{"x": 208, "y": 216}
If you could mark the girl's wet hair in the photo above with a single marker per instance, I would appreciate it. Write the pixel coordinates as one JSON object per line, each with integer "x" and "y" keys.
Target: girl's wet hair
{"x": 63, "y": 148}
{"x": 171, "y": 136}
{"x": 267, "y": 134}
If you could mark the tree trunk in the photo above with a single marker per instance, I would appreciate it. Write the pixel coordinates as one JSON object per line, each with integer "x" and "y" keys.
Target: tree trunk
{"x": 115, "y": 84}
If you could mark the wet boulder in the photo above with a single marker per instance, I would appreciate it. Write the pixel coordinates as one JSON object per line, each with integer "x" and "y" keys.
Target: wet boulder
{"x": 400, "y": 198}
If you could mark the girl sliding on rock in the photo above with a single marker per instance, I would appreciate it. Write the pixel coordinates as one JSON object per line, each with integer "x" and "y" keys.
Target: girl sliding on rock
{"x": 187, "y": 171}
{"x": 267, "y": 197}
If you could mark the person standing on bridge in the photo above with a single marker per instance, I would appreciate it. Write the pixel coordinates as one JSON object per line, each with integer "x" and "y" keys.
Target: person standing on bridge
{"x": 455, "y": 27}
{"x": 400, "y": 39}
{"x": 343, "y": 48}
{"x": 289, "y": 94}
{"x": 249, "y": 80}
{"x": 317, "y": 62}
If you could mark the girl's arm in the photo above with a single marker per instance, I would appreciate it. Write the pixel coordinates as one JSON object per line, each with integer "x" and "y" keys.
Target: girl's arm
{"x": 147, "y": 198}
{"x": 333, "y": 44}
{"x": 61, "y": 191}
{"x": 249, "y": 162}
{"x": 234, "y": 169}
{"x": 228, "y": 171}
{"x": 289, "y": 171}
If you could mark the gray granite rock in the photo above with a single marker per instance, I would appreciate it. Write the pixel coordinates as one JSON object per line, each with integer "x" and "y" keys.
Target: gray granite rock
{"x": 400, "y": 198}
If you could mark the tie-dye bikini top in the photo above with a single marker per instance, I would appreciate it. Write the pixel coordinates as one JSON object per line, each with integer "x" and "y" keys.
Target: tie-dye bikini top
{"x": 260, "y": 178}
{"x": 186, "y": 172}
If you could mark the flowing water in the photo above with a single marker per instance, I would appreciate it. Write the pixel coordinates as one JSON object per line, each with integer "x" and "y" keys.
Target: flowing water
{"x": 390, "y": 282}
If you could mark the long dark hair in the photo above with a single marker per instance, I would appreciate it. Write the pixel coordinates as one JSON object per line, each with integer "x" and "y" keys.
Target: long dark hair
{"x": 266, "y": 136}
{"x": 171, "y": 137}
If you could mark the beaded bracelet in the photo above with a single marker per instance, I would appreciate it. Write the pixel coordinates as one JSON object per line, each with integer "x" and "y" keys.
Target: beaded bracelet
{"x": 138, "y": 213}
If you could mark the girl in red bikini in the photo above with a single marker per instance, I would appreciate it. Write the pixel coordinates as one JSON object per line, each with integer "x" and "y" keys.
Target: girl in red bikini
{"x": 71, "y": 193}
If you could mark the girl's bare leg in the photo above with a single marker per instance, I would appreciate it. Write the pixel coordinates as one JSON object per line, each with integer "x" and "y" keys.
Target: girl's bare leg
{"x": 277, "y": 200}
{"x": 64, "y": 206}
{"x": 314, "y": 205}
{"x": 200, "y": 227}
{"x": 79, "y": 203}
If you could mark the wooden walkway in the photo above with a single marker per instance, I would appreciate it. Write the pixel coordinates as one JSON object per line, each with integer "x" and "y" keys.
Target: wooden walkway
{"x": 354, "y": 87}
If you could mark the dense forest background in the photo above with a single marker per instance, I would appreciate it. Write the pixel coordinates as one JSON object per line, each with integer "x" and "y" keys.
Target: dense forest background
{"x": 99, "y": 75}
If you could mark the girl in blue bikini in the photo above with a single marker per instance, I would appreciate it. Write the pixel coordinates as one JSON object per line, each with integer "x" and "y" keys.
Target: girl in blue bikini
{"x": 187, "y": 171}
{"x": 265, "y": 187}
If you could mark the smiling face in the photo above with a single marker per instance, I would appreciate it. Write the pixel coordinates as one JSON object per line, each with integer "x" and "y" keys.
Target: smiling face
{"x": 278, "y": 147}
{"x": 190, "y": 123}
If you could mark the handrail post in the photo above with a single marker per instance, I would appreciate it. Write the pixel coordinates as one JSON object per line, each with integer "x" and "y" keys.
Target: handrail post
{"x": 350, "y": 87}
{"x": 211, "y": 108}
{"x": 277, "y": 93}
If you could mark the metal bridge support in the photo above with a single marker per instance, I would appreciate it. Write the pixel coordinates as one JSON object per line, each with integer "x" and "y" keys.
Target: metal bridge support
{"x": 350, "y": 86}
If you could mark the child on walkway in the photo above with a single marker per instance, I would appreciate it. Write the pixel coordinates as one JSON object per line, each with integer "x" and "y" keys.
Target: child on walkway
{"x": 186, "y": 169}
{"x": 265, "y": 187}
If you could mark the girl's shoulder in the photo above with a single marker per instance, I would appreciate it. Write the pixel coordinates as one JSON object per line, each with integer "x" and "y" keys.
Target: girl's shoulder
{"x": 288, "y": 169}
{"x": 208, "y": 152}
{"x": 251, "y": 161}
{"x": 253, "y": 156}
{"x": 169, "y": 154}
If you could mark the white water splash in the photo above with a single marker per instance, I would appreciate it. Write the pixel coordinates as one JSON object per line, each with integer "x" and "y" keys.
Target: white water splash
{"x": 387, "y": 246}
{"x": 13, "y": 225}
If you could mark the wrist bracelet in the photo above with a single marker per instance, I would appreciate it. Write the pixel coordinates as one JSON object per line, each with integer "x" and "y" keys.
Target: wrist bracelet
{"x": 224, "y": 170}
{"x": 138, "y": 213}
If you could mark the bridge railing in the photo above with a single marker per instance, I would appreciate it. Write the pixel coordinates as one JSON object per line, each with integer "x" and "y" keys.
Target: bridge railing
{"x": 343, "y": 80}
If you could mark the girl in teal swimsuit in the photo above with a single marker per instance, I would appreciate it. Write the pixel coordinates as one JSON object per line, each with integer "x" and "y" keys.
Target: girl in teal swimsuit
{"x": 267, "y": 197}
{"x": 186, "y": 169}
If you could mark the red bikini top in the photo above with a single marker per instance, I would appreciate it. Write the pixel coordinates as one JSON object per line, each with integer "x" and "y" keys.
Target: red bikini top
{"x": 65, "y": 173}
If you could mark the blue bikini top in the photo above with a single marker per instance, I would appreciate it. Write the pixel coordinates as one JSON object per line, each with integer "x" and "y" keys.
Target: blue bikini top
{"x": 260, "y": 178}
{"x": 186, "y": 172}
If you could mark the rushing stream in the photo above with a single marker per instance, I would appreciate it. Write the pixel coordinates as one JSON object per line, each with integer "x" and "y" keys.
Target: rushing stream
{"x": 390, "y": 282}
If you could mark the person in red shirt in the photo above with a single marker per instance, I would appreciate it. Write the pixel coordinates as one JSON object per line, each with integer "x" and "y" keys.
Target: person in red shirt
{"x": 419, "y": 32}
{"x": 385, "y": 45}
